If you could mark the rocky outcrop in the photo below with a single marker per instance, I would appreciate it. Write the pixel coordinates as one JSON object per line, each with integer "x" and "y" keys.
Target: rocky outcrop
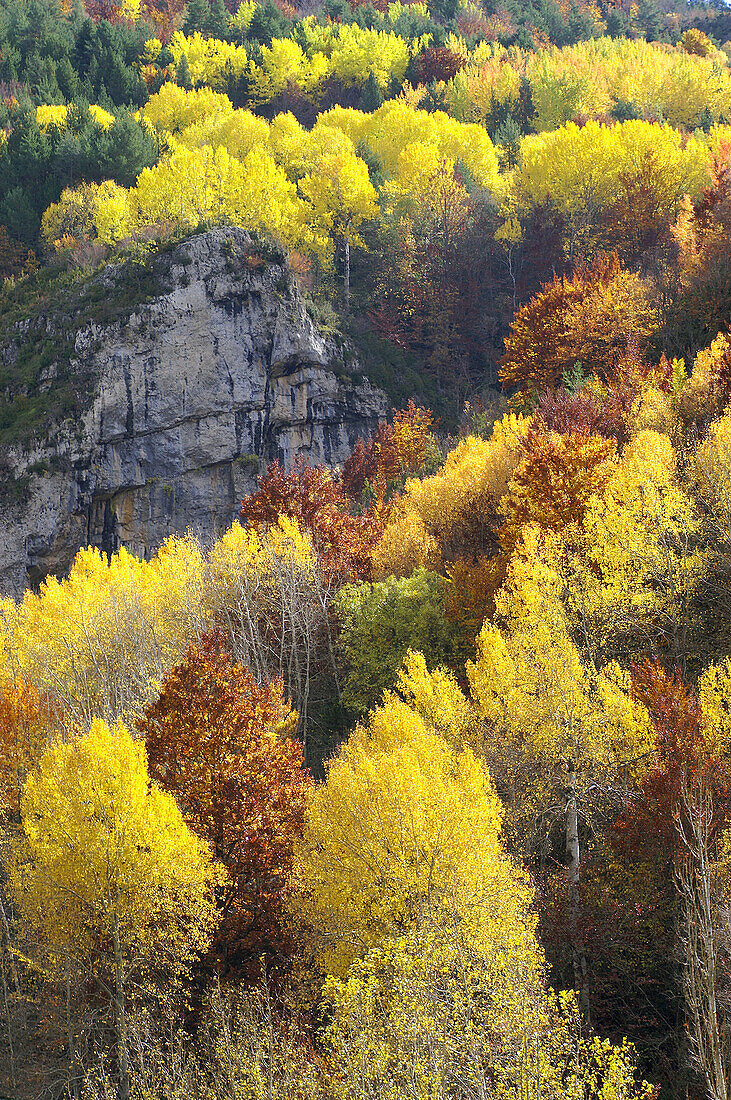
{"x": 188, "y": 397}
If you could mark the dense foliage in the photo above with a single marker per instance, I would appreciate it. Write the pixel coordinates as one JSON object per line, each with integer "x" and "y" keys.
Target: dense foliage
{"x": 414, "y": 783}
{"x": 429, "y": 166}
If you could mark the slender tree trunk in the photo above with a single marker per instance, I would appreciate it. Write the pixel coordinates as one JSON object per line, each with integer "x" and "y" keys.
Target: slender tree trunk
{"x": 573, "y": 851}
{"x": 120, "y": 1016}
{"x": 346, "y": 274}
{"x": 70, "y": 1040}
{"x": 6, "y": 937}
{"x": 694, "y": 876}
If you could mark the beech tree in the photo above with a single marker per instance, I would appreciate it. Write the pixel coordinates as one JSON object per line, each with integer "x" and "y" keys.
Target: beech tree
{"x": 315, "y": 499}
{"x": 220, "y": 743}
{"x": 403, "y": 447}
{"x": 555, "y": 480}
{"x": 591, "y": 318}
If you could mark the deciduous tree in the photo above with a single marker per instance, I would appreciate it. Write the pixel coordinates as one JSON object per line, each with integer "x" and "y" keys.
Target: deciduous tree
{"x": 591, "y": 318}
{"x": 220, "y": 743}
{"x": 107, "y": 877}
{"x": 403, "y": 836}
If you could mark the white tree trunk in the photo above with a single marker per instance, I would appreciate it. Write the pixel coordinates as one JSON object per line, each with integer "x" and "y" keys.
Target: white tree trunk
{"x": 573, "y": 851}
{"x": 694, "y": 877}
{"x": 120, "y": 1016}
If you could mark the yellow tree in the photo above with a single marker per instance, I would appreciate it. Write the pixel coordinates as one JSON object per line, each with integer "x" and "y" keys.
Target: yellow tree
{"x": 107, "y": 876}
{"x": 455, "y": 510}
{"x": 404, "y": 837}
{"x": 99, "y": 641}
{"x": 557, "y": 730}
{"x": 642, "y": 562}
{"x": 342, "y": 198}
{"x": 424, "y": 1017}
{"x": 580, "y": 172}
{"x": 267, "y": 592}
{"x": 437, "y": 983}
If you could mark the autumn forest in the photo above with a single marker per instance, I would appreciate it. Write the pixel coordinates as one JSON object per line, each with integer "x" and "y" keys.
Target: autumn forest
{"x": 415, "y": 782}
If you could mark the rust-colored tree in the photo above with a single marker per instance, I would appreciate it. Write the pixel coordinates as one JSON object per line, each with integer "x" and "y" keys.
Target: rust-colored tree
{"x": 437, "y": 63}
{"x": 582, "y": 411}
{"x": 26, "y": 722}
{"x": 219, "y": 742}
{"x": 591, "y": 318}
{"x": 315, "y": 497}
{"x": 99, "y": 10}
{"x": 553, "y": 483}
{"x": 397, "y": 450}
{"x": 165, "y": 15}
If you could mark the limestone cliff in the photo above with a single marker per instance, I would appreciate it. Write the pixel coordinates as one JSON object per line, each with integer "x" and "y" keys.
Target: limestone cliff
{"x": 177, "y": 406}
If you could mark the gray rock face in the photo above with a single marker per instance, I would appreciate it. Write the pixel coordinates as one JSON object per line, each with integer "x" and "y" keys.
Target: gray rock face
{"x": 195, "y": 392}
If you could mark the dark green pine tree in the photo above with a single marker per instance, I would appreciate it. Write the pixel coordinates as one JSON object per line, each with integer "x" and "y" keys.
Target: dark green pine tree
{"x": 649, "y": 18}
{"x": 371, "y": 97}
{"x": 218, "y": 23}
{"x": 508, "y": 137}
{"x": 197, "y": 16}
{"x": 182, "y": 74}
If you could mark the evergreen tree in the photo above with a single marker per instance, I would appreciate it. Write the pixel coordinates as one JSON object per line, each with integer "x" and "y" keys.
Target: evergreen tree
{"x": 217, "y": 25}
{"x": 371, "y": 96}
{"x": 508, "y": 137}
{"x": 197, "y": 17}
{"x": 182, "y": 74}
{"x": 268, "y": 23}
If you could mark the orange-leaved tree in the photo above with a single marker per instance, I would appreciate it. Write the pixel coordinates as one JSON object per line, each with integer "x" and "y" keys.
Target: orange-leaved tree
{"x": 219, "y": 742}
{"x": 553, "y": 483}
{"x": 592, "y": 318}
{"x": 314, "y": 497}
{"x": 26, "y": 720}
{"x": 396, "y": 450}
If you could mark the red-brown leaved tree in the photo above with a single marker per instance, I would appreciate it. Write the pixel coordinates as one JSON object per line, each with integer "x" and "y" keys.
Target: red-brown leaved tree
{"x": 219, "y": 742}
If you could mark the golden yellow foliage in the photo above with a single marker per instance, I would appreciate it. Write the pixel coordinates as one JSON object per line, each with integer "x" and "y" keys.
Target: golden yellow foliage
{"x": 474, "y": 476}
{"x": 403, "y": 833}
{"x": 711, "y": 473}
{"x": 551, "y": 717}
{"x": 437, "y": 698}
{"x": 578, "y": 170}
{"x": 52, "y": 115}
{"x": 106, "y": 860}
{"x": 91, "y": 210}
{"x": 210, "y": 61}
{"x": 101, "y": 640}
{"x": 191, "y": 185}
{"x": 640, "y": 532}
{"x": 404, "y": 546}
{"x": 698, "y": 398}
{"x": 172, "y": 108}
{"x": 653, "y": 410}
